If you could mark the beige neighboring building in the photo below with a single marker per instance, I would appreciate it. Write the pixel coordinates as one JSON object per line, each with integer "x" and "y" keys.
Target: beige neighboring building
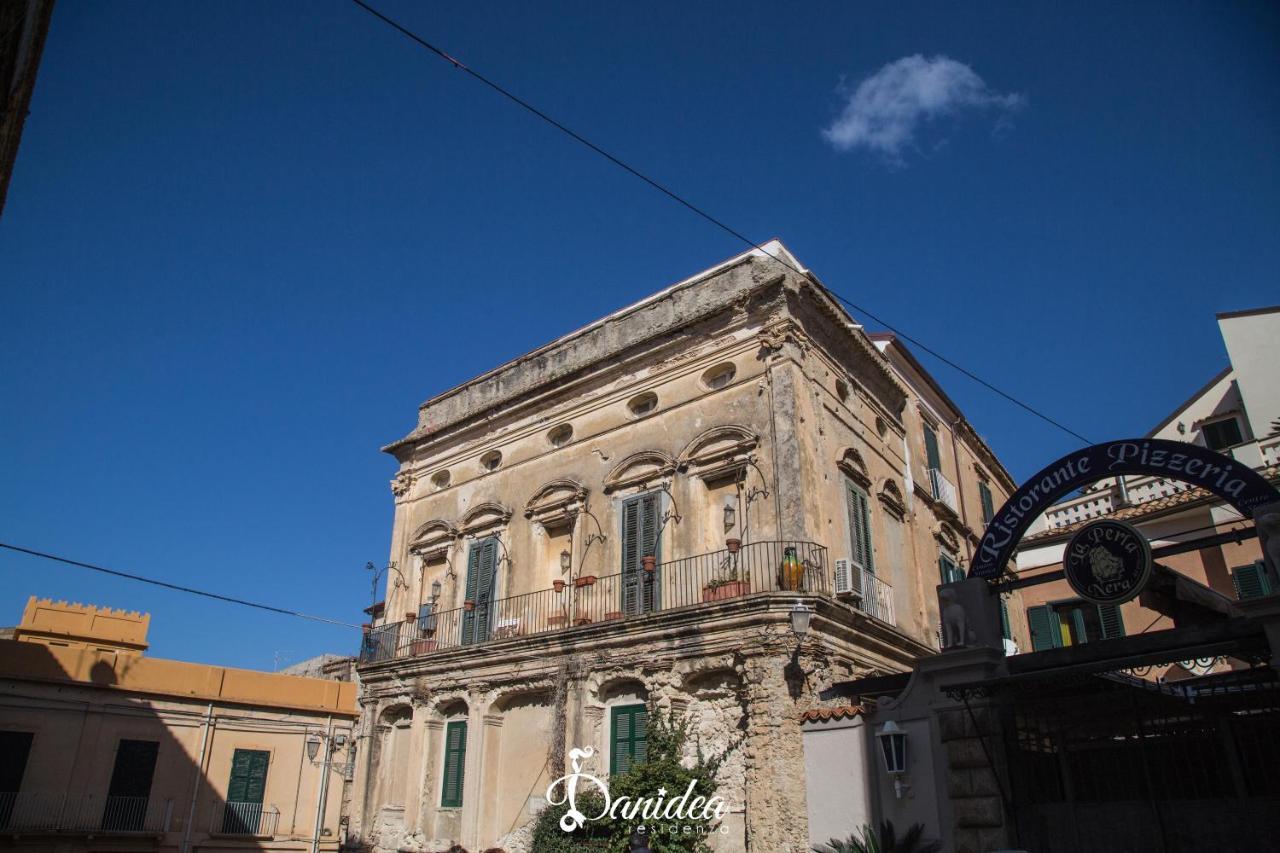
{"x": 1236, "y": 413}
{"x": 743, "y": 431}
{"x": 105, "y": 749}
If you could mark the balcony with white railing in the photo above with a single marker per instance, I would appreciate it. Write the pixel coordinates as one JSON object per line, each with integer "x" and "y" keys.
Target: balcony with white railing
{"x": 94, "y": 814}
{"x": 944, "y": 490}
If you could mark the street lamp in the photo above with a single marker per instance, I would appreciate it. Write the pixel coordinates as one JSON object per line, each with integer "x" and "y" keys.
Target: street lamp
{"x": 893, "y": 749}
{"x": 313, "y": 746}
{"x": 566, "y": 561}
{"x": 435, "y": 591}
{"x": 800, "y": 617}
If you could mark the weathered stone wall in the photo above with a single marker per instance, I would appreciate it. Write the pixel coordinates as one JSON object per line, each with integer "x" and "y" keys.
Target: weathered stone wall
{"x": 973, "y": 741}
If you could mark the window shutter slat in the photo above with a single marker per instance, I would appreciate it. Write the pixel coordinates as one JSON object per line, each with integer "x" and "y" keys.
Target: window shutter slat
{"x": 1005, "y": 630}
{"x": 631, "y": 557}
{"x": 455, "y": 762}
{"x": 1250, "y": 581}
{"x": 931, "y": 455}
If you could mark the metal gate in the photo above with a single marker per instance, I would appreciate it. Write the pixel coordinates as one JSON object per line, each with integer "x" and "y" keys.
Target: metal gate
{"x": 1111, "y": 762}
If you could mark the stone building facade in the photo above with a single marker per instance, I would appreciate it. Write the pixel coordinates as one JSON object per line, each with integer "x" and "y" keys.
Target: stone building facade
{"x": 744, "y": 432}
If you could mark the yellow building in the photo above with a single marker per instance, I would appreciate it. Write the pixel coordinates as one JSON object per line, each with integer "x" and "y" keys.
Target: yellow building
{"x": 103, "y": 748}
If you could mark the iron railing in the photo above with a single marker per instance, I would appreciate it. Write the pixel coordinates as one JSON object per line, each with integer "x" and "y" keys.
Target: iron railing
{"x": 95, "y": 813}
{"x": 877, "y": 598}
{"x": 757, "y": 567}
{"x": 249, "y": 819}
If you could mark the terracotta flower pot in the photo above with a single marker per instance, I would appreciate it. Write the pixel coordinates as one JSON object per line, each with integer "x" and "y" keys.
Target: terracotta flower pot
{"x": 468, "y": 606}
{"x": 558, "y": 620}
{"x": 558, "y": 585}
{"x": 585, "y": 580}
{"x": 649, "y": 562}
{"x": 734, "y": 545}
{"x": 732, "y": 589}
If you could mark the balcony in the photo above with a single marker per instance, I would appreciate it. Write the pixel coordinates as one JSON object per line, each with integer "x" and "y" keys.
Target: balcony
{"x": 944, "y": 490}
{"x": 244, "y": 820}
{"x": 83, "y": 813}
{"x": 757, "y": 567}
{"x": 870, "y": 594}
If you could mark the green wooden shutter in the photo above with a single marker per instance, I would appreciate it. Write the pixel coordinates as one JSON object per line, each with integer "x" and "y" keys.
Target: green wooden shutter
{"x": 639, "y": 539}
{"x": 1077, "y": 622}
{"x": 1005, "y": 630}
{"x": 988, "y": 507}
{"x": 455, "y": 764}
{"x": 1044, "y": 626}
{"x": 628, "y": 737}
{"x": 932, "y": 458}
{"x": 248, "y": 781}
{"x": 1250, "y": 581}
{"x": 860, "y": 528}
{"x": 1110, "y": 619}
{"x": 482, "y": 565}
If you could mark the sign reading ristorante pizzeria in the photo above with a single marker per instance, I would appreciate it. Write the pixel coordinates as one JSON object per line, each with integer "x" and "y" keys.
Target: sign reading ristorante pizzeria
{"x": 1236, "y": 484}
{"x": 1107, "y": 562}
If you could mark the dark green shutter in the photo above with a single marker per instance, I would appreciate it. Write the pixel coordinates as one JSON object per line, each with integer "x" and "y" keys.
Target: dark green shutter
{"x": 455, "y": 764}
{"x": 1044, "y": 627}
{"x": 1250, "y": 581}
{"x": 1111, "y": 621}
{"x": 1005, "y": 630}
{"x": 639, "y": 539}
{"x": 988, "y": 507}
{"x": 248, "y": 776}
{"x": 628, "y": 737}
{"x": 932, "y": 458}
{"x": 482, "y": 567}
{"x": 860, "y": 528}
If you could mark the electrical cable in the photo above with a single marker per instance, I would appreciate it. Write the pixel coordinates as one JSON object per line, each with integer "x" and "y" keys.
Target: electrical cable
{"x": 128, "y": 576}
{"x": 676, "y": 197}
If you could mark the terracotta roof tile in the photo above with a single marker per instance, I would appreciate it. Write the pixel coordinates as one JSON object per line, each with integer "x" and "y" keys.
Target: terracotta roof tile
{"x": 823, "y": 715}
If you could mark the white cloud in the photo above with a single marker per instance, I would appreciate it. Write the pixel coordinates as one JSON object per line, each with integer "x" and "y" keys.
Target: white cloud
{"x": 885, "y": 110}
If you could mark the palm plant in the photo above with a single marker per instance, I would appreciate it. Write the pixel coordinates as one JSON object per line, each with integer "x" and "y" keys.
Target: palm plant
{"x": 868, "y": 840}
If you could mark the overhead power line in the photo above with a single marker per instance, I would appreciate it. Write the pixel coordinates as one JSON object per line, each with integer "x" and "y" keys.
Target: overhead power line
{"x": 215, "y": 596}
{"x": 682, "y": 201}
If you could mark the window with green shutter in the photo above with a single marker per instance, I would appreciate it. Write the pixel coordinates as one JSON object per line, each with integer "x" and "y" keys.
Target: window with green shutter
{"x": 455, "y": 764}
{"x": 988, "y": 505}
{"x": 245, "y": 790}
{"x": 640, "y": 522}
{"x": 1250, "y": 581}
{"x": 1072, "y": 623}
{"x": 948, "y": 568}
{"x": 628, "y": 744}
{"x": 1005, "y": 630}
{"x": 860, "y": 528}
{"x": 932, "y": 458}
{"x": 482, "y": 575}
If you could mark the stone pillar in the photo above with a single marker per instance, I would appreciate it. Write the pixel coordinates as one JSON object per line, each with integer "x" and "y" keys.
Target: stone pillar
{"x": 429, "y": 796}
{"x": 776, "y": 811}
{"x": 972, "y": 739}
{"x": 787, "y": 451}
{"x": 489, "y": 771}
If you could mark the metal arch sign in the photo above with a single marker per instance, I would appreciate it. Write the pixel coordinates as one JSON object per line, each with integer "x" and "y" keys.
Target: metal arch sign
{"x": 1238, "y": 485}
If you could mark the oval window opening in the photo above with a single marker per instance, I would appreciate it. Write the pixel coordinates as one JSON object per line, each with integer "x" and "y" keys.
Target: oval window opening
{"x": 560, "y": 436}
{"x": 440, "y": 479}
{"x": 842, "y": 390}
{"x": 642, "y": 404}
{"x": 491, "y": 460}
{"x": 719, "y": 376}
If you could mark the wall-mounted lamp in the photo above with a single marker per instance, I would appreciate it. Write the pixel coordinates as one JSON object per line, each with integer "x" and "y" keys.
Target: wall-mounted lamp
{"x": 566, "y": 561}
{"x": 313, "y": 746}
{"x": 730, "y": 517}
{"x": 800, "y": 617}
{"x": 435, "y": 590}
{"x": 893, "y": 749}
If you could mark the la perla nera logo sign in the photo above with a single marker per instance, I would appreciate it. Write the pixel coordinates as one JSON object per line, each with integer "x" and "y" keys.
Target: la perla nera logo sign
{"x": 1107, "y": 562}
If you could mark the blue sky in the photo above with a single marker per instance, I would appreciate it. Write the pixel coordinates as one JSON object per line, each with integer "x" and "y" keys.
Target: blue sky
{"x": 243, "y": 241}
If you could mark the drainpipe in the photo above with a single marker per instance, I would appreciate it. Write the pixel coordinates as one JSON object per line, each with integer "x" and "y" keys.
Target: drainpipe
{"x": 195, "y": 779}
{"x": 324, "y": 783}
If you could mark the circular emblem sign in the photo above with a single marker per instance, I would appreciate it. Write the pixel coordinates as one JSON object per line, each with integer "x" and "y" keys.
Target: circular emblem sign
{"x": 1107, "y": 562}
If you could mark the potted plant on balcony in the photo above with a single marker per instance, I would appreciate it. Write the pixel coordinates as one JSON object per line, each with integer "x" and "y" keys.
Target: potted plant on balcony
{"x": 729, "y": 586}
{"x": 468, "y": 605}
{"x": 585, "y": 580}
{"x": 733, "y": 544}
{"x": 649, "y": 562}
{"x": 557, "y": 585}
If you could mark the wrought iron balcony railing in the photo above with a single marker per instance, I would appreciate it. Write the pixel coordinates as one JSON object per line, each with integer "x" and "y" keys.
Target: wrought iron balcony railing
{"x": 247, "y": 819}
{"x": 82, "y": 813}
{"x": 757, "y": 567}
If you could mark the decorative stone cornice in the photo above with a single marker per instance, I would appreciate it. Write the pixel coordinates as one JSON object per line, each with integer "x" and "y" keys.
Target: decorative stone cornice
{"x": 484, "y": 517}
{"x": 557, "y": 503}
{"x": 433, "y": 539}
{"x": 718, "y": 452}
{"x": 891, "y": 497}
{"x": 640, "y": 469}
{"x": 854, "y": 467}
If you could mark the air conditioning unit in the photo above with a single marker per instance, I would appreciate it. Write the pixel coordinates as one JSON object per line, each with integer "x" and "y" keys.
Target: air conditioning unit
{"x": 848, "y": 578}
